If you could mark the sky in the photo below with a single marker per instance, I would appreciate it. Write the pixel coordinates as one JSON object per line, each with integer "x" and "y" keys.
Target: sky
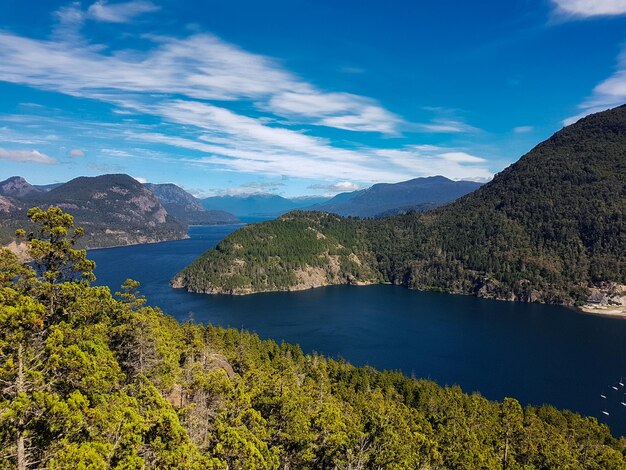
{"x": 297, "y": 97}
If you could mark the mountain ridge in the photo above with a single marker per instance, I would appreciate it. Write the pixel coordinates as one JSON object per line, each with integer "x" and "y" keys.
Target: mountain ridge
{"x": 388, "y": 198}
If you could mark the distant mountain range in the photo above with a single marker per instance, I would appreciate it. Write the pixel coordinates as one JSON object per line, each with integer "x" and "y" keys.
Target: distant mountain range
{"x": 118, "y": 210}
{"x": 113, "y": 209}
{"x": 259, "y": 205}
{"x": 379, "y": 200}
{"x": 384, "y": 199}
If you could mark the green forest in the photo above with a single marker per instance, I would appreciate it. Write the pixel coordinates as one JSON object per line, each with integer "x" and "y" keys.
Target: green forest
{"x": 95, "y": 380}
{"x": 546, "y": 229}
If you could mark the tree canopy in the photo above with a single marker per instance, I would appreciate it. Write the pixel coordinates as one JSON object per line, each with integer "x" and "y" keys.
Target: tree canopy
{"x": 91, "y": 380}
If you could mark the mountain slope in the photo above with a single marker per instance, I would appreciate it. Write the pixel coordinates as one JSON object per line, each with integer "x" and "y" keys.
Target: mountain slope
{"x": 546, "y": 229}
{"x": 385, "y": 198}
{"x": 186, "y": 208}
{"x": 113, "y": 209}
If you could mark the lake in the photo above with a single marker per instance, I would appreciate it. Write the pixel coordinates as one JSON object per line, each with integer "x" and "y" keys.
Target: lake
{"x": 535, "y": 353}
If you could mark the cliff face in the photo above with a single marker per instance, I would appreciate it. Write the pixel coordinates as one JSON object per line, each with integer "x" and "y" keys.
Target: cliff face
{"x": 548, "y": 228}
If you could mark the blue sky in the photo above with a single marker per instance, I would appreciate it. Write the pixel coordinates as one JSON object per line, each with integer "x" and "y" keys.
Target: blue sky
{"x": 297, "y": 97}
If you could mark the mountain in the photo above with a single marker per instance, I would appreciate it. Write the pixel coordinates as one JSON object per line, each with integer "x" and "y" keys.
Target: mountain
{"x": 388, "y": 199}
{"x": 268, "y": 205}
{"x": 380, "y": 199}
{"x": 186, "y": 208}
{"x": 17, "y": 187}
{"x": 548, "y": 228}
{"x": 113, "y": 209}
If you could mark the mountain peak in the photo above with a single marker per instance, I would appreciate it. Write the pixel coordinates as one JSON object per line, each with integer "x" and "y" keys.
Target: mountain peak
{"x": 17, "y": 187}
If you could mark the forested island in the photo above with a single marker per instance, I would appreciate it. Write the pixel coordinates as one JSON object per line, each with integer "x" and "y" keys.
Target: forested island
{"x": 95, "y": 380}
{"x": 549, "y": 228}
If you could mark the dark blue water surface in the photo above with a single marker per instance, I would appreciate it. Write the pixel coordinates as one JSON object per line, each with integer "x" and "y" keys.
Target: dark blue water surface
{"x": 535, "y": 353}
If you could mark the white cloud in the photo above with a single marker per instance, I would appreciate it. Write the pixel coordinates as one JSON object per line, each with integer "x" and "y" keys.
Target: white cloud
{"x": 590, "y": 8}
{"x": 120, "y": 12}
{"x": 608, "y": 94}
{"x": 461, "y": 157}
{"x": 262, "y": 185}
{"x": 26, "y": 156}
{"x": 239, "y": 143}
{"x": 199, "y": 67}
{"x": 76, "y": 153}
{"x": 445, "y": 126}
{"x": 140, "y": 179}
{"x": 202, "y": 68}
{"x": 340, "y": 187}
{"x": 340, "y": 110}
{"x": 523, "y": 129}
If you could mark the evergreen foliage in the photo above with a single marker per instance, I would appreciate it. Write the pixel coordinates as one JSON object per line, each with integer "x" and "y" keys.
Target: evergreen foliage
{"x": 545, "y": 229}
{"x": 89, "y": 380}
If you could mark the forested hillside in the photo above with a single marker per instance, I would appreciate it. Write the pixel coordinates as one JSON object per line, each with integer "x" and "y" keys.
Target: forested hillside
{"x": 91, "y": 380}
{"x": 546, "y": 229}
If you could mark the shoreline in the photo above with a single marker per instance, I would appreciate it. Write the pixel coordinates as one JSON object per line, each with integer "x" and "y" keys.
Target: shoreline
{"x": 610, "y": 311}
{"x": 599, "y": 310}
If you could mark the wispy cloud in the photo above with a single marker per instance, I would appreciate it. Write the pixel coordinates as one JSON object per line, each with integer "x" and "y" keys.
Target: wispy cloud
{"x": 590, "y": 8}
{"x": 245, "y": 189}
{"x": 26, "y": 156}
{"x": 340, "y": 187}
{"x": 179, "y": 83}
{"x": 120, "y": 12}
{"x": 174, "y": 66}
{"x": 607, "y": 94}
{"x": 445, "y": 126}
{"x": 523, "y": 129}
{"x": 76, "y": 153}
{"x": 340, "y": 110}
{"x": 252, "y": 147}
{"x": 262, "y": 185}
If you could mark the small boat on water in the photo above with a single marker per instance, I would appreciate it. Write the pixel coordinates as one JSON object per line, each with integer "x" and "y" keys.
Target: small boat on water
{"x": 602, "y": 396}
{"x": 613, "y": 387}
{"x": 605, "y": 412}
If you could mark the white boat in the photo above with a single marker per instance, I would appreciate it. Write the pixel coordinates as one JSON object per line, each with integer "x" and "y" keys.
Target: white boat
{"x": 606, "y": 413}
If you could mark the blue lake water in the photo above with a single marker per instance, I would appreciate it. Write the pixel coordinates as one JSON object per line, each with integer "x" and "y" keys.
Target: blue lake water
{"x": 535, "y": 353}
